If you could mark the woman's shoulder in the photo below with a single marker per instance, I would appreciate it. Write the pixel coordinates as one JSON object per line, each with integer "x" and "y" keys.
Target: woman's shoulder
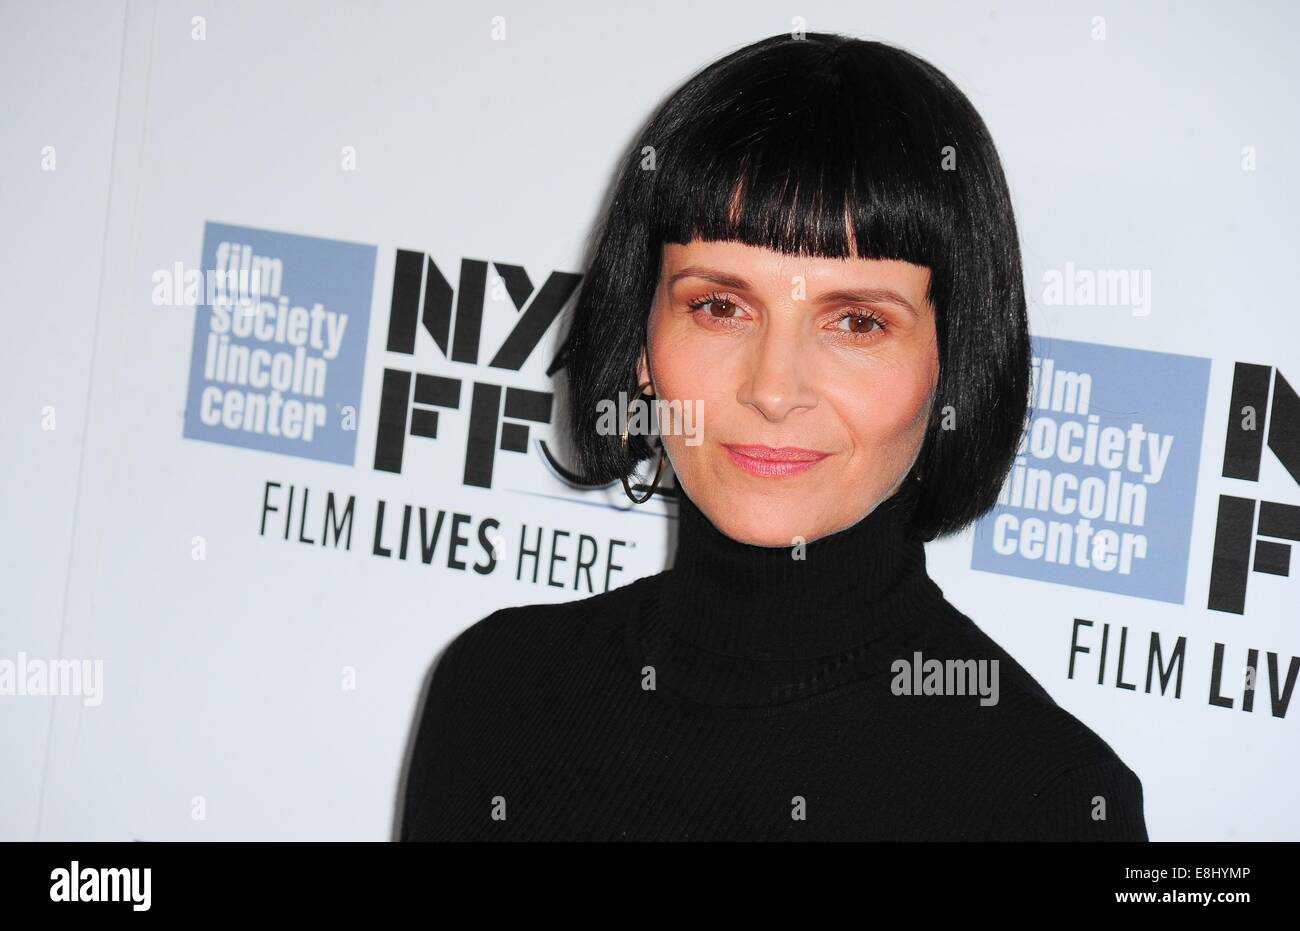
{"x": 1072, "y": 781}
{"x": 523, "y": 633}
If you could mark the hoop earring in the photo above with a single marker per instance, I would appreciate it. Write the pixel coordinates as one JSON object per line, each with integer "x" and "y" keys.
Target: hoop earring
{"x": 627, "y": 488}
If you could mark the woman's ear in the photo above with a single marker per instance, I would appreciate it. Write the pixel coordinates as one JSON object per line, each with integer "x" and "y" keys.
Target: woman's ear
{"x": 643, "y": 371}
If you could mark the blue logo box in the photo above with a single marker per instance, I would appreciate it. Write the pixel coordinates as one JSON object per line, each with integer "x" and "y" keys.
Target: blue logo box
{"x": 1103, "y": 492}
{"x": 279, "y": 350}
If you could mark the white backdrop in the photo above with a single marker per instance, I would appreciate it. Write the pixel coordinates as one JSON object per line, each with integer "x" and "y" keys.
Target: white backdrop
{"x": 260, "y": 687}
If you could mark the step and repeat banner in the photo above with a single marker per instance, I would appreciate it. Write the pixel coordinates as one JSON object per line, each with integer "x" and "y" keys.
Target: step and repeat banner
{"x": 323, "y": 430}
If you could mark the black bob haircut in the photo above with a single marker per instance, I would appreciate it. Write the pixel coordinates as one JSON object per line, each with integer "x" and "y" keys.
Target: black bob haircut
{"x": 816, "y": 145}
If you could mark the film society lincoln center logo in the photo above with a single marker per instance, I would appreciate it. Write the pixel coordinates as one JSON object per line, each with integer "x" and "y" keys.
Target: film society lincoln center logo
{"x": 280, "y": 343}
{"x": 1103, "y": 489}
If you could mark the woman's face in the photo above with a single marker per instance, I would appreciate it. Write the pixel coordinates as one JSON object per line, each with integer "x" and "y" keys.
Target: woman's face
{"x": 786, "y": 351}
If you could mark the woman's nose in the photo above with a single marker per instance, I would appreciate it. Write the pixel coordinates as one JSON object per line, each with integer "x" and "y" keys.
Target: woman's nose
{"x": 776, "y": 374}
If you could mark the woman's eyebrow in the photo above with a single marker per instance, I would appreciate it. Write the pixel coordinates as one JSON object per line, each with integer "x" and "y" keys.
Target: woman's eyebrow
{"x": 869, "y": 296}
{"x": 838, "y": 296}
{"x": 708, "y": 274}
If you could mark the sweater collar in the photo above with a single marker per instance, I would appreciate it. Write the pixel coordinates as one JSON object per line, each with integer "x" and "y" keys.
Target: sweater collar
{"x": 735, "y": 624}
{"x": 791, "y": 602}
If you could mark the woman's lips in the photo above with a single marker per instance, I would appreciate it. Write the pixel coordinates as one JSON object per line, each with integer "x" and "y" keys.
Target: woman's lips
{"x": 774, "y": 461}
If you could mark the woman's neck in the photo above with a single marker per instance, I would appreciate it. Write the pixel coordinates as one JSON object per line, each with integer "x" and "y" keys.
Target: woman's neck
{"x": 740, "y": 624}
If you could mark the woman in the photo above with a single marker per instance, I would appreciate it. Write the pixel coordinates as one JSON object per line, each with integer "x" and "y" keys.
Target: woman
{"x": 813, "y": 241}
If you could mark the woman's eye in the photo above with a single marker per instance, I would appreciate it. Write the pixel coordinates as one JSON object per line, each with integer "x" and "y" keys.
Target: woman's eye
{"x": 713, "y": 303}
{"x": 860, "y": 324}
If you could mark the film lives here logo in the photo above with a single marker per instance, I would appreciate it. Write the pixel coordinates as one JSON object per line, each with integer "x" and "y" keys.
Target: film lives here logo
{"x": 279, "y": 347}
{"x": 1102, "y": 496}
{"x": 278, "y": 365}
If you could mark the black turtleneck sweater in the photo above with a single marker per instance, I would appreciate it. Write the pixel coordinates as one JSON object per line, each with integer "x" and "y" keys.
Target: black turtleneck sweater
{"x": 748, "y": 694}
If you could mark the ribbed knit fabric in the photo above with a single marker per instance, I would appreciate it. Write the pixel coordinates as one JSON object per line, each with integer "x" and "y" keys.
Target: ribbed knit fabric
{"x": 749, "y": 693}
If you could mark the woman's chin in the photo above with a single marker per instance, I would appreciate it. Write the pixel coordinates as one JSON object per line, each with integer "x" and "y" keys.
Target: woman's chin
{"x": 769, "y": 529}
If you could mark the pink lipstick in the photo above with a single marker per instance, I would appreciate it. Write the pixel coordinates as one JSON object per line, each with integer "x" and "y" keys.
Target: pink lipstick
{"x": 774, "y": 461}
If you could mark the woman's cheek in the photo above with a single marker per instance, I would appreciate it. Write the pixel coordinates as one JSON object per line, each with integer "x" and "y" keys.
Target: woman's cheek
{"x": 685, "y": 369}
{"x": 884, "y": 409}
